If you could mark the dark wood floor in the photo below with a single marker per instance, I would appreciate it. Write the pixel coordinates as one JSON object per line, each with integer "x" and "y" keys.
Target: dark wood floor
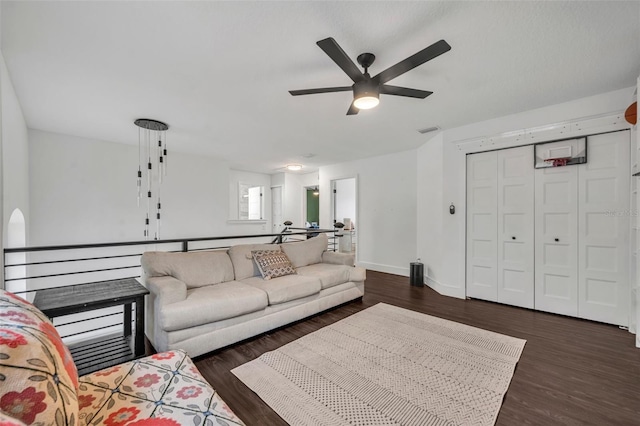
{"x": 572, "y": 372}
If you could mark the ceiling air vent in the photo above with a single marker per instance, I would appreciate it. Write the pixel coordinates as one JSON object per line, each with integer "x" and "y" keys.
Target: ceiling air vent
{"x": 428, "y": 129}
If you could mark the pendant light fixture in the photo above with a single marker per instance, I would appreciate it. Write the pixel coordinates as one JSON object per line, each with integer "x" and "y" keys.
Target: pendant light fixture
{"x": 152, "y": 148}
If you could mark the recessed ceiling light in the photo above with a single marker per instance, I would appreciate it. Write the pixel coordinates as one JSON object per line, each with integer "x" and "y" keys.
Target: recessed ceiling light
{"x": 294, "y": 167}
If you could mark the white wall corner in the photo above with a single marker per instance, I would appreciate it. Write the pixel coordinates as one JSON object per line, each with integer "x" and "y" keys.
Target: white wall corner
{"x": 444, "y": 289}
{"x": 429, "y": 205}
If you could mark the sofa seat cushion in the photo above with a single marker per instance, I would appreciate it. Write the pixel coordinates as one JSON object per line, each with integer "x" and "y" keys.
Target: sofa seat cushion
{"x": 329, "y": 275}
{"x": 213, "y": 303}
{"x": 164, "y": 389}
{"x": 284, "y": 289}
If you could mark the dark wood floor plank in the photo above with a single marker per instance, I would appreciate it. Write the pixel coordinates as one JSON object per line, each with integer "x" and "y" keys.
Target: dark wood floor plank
{"x": 572, "y": 371}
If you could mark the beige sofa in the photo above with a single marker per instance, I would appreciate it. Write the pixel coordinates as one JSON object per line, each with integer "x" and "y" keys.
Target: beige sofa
{"x": 202, "y": 301}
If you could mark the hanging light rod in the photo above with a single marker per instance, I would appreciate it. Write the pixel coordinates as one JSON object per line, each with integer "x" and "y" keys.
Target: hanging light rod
{"x": 156, "y": 158}
{"x": 149, "y": 124}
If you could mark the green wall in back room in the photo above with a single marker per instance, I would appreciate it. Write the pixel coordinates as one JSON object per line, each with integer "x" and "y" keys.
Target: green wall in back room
{"x": 313, "y": 207}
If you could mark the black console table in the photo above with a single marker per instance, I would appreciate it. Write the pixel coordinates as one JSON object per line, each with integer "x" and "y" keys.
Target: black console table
{"x": 105, "y": 352}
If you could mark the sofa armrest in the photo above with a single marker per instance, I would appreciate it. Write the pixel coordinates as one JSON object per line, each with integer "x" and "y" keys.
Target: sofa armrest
{"x": 336, "y": 258}
{"x": 167, "y": 289}
{"x": 357, "y": 274}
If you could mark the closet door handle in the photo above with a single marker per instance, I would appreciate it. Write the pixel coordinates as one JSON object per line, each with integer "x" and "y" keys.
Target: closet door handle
{"x": 557, "y": 239}
{"x": 513, "y": 238}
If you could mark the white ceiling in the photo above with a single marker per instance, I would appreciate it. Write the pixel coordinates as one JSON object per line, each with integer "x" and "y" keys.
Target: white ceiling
{"x": 218, "y": 72}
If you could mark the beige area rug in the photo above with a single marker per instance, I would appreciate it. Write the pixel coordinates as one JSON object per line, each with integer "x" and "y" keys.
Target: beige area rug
{"x": 387, "y": 366}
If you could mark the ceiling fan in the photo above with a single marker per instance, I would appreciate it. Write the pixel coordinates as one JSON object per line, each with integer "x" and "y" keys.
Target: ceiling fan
{"x": 367, "y": 89}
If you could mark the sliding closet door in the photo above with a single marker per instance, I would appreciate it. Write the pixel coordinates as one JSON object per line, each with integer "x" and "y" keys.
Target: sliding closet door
{"x": 556, "y": 235}
{"x": 482, "y": 180}
{"x": 604, "y": 230}
{"x": 515, "y": 226}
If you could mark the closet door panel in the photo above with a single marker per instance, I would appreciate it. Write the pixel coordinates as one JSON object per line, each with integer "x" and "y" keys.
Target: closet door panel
{"x": 556, "y": 240}
{"x": 482, "y": 226}
{"x": 604, "y": 230}
{"x": 515, "y": 226}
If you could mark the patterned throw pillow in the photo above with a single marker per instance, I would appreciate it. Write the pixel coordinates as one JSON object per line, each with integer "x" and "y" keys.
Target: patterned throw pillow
{"x": 38, "y": 379}
{"x": 272, "y": 263}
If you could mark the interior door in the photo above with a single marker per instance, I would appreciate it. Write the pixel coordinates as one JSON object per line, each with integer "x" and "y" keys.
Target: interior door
{"x": 482, "y": 250}
{"x": 604, "y": 230}
{"x": 556, "y": 236}
{"x": 276, "y": 209}
{"x": 515, "y": 226}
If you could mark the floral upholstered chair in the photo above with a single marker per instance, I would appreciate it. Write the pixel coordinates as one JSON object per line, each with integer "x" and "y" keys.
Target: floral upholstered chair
{"x": 39, "y": 382}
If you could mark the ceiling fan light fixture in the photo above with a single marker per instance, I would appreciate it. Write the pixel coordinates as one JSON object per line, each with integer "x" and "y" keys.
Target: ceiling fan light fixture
{"x": 366, "y": 102}
{"x": 366, "y": 95}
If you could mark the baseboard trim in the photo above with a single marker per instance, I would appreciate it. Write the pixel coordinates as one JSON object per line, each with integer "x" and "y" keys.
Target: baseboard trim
{"x": 441, "y": 288}
{"x": 389, "y": 269}
{"x": 444, "y": 289}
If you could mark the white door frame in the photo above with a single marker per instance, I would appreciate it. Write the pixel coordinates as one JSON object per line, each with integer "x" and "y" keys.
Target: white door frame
{"x": 305, "y": 188}
{"x": 332, "y": 206}
{"x": 273, "y": 222}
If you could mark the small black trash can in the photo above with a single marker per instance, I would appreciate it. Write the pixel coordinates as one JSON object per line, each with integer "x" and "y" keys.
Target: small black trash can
{"x": 416, "y": 274}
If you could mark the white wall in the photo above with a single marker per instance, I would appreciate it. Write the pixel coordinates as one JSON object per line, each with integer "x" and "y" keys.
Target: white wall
{"x": 309, "y": 179}
{"x": 277, "y": 179}
{"x": 386, "y": 209}
{"x": 292, "y": 208}
{"x": 450, "y": 230}
{"x": 15, "y": 153}
{"x": 430, "y": 208}
{"x": 84, "y": 191}
{"x": 345, "y": 199}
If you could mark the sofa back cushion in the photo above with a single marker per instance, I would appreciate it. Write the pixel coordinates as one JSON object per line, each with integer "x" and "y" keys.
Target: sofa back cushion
{"x": 243, "y": 264}
{"x": 307, "y": 252}
{"x": 195, "y": 269}
{"x": 39, "y": 379}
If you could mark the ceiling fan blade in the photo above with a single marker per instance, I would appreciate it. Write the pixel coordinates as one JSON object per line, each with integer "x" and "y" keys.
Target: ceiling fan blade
{"x": 353, "y": 110}
{"x": 427, "y": 54}
{"x": 335, "y": 52}
{"x": 404, "y": 91}
{"x": 322, "y": 90}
